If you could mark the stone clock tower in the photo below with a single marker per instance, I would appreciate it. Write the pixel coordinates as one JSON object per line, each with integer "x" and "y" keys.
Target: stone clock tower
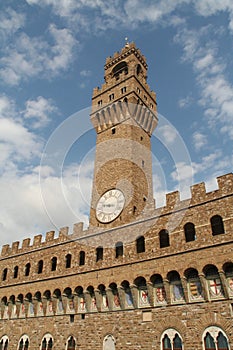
{"x": 124, "y": 117}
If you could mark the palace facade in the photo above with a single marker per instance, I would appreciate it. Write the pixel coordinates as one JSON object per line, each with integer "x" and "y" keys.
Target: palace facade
{"x": 139, "y": 277}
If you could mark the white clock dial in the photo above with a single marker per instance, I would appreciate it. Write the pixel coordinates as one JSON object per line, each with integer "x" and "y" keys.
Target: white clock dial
{"x": 110, "y": 205}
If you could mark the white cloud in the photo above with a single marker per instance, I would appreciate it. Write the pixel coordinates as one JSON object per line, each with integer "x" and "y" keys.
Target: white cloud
{"x": 31, "y": 214}
{"x": 17, "y": 143}
{"x": 10, "y": 22}
{"x": 211, "y": 7}
{"x": 200, "y": 140}
{"x": 216, "y": 94}
{"x": 28, "y": 57}
{"x": 168, "y": 133}
{"x": 85, "y": 73}
{"x": 39, "y": 111}
{"x": 185, "y": 102}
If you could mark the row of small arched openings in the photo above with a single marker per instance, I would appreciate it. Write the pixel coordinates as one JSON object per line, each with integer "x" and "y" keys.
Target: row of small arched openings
{"x": 209, "y": 271}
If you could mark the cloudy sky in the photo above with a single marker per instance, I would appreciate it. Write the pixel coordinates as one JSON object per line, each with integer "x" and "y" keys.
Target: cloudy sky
{"x": 52, "y": 56}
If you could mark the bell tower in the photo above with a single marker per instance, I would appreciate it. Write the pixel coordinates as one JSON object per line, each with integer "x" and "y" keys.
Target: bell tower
{"x": 124, "y": 115}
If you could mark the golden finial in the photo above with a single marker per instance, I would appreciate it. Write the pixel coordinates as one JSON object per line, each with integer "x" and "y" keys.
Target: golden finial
{"x": 126, "y": 42}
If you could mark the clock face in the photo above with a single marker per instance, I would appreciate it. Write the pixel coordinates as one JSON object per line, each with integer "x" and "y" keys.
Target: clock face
{"x": 110, "y": 205}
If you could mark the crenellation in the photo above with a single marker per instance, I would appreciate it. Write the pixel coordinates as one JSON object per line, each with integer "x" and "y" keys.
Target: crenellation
{"x": 78, "y": 229}
{"x": 37, "y": 241}
{"x": 15, "y": 247}
{"x": 26, "y": 243}
{"x": 225, "y": 183}
{"x": 172, "y": 199}
{"x": 63, "y": 233}
{"x": 198, "y": 193}
{"x": 5, "y": 250}
{"x": 49, "y": 236}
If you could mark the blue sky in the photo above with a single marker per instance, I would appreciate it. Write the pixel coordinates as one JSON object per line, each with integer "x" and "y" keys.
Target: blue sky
{"x": 52, "y": 56}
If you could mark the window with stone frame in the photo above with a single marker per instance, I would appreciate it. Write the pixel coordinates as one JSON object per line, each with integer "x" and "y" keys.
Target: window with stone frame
{"x": 27, "y": 269}
{"x": 217, "y": 225}
{"x": 71, "y": 343}
{"x": 190, "y": 232}
{"x": 214, "y": 338}
{"x": 47, "y": 342}
{"x": 54, "y": 263}
{"x": 68, "y": 261}
{"x": 40, "y": 266}
{"x": 119, "y": 249}
{"x": 99, "y": 253}
{"x": 171, "y": 340}
{"x": 4, "y": 343}
{"x": 140, "y": 244}
{"x": 109, "y": 343}
{"x": 81, "y": 258}
{"x": 23, "y": 343}
{"x": 164, "y": 240}
{"x": 4, "y": 274}
{"x": 16, "y": 270}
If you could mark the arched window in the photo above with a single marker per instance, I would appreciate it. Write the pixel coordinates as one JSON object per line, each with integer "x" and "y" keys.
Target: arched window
{"x": 54, "y": 263}
{"x": 228, "y": 270}
{"x": 171, "y": 340}
{"x": 143, "y": 295}
{"x": 82, "y": 258}
{"x": 166, "y": 343}
{"x": 189, "y": 231}
{"x": 177, "y": 292}
{"x": 16, "y": 270}
{"x": 4, "y": 342}
{"x": 119, "y": 249}
{"x": 40, "y": 266}
{"x": 120, "y": 68}
{"x": 222, "y": 342}
{"x": 139, "y": 69}
{"x": 47, "y": 342}
{"x": 164, "y": 239}
{"x": 129, "y": 303}
{"x": 195, "y": 291}
{"x": 140, "y": 244}
{"x": 109, "y": 343}
{"x": 99, "y": 253}
{"x": 217, "y": 225}
{"x": 23, "y": 343}
{"x": 209, "y": 342}
{"x": 177, "y": 343}
{"x": 159, "y": 290}
{"x": 27, "y": 269}
{"x": 104, "y": 297}
{"x": 68, "y": 261}
{"x": 214, "y": 282}
{"x": 71, "y": 343}
{"x": 214, "y": 338}
{"x": 115, "y": 299}
{"x": 4, "y": 274}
